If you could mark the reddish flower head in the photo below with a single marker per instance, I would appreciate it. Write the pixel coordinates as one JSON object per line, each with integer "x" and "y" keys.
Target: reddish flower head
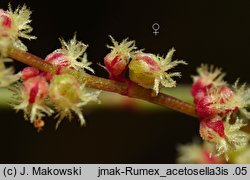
{"x": 71, "y": 55}
{"x": 216, "y": 104}
{"x": 13, "y": 25}
{"x": 196, "y": 153}
{"x": 5, "y": 23}
{"x": 116, "y": 62}
{"x": 203, "y": 107}
{"x": 29, "y": 72}
{"x": 58, "y": 58}
{"x": 151, "y": 71}
{"x": 208, "y": 77}
{"x": 36, "y": 89}
{"x": 31, "y": 98}
{"x": 212, "y": 129}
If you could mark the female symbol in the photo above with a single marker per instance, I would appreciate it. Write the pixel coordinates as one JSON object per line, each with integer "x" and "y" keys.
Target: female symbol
{"x": 156, "y": 27}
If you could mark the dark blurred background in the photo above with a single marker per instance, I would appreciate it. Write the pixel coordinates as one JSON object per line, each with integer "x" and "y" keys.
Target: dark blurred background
{"x": 213, "y": 32}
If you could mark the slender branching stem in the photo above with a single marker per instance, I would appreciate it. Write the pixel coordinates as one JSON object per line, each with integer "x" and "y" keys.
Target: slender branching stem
{"x": 128, "y": 88}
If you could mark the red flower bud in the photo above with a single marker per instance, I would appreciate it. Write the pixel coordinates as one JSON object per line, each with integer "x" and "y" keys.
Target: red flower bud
{"x": 58, "y": 58}
{"x": 116, "y": 62}
{"x": 198, "y": 86}
{"x": 203, "y": 107}
{"x": 116, "y": 66}
{"x": 212, "y": 129}
{"x": 29, "y": 72}
{"x": 151, "y": 71}
{"x": 5, "y": 19}
{"x": 225, "y": 92}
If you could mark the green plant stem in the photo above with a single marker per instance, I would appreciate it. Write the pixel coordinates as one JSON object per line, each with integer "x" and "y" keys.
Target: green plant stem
{"x": 128, "y": 89}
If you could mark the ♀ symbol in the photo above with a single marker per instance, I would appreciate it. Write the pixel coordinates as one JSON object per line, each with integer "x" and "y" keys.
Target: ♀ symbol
{"x": 156, "y": 27}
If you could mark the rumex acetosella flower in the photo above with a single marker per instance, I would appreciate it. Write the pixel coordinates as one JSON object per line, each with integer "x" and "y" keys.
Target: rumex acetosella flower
{"x": 31, "y": 95}
{"x": 208, "y": 76}
{"x": 13, "y": 25}
{"x": 65, "y": 92}
{"x": 151, "y": 71}
{"x": 41, "y": 93}
{"x": 237, "y": 100}
{"x": 222, "y": 110}
{"x": 36, "y": 94}
{"x": 147, "y": 70}
{"x": 69, "y": 96}
{"x": 70, "y": 55}
{"x": 225, "y": 135}
{"x": 196, "y": 153}
{"x": 116, "y": 62}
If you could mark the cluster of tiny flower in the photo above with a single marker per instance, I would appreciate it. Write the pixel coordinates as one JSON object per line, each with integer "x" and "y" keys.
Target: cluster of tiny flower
{"x": 13, "y": 25}
{"x": 63, "y": 91}
{"x": 147, "y": 70}
{"x": 38, "y": 89}
{"x": 222, "y": 110}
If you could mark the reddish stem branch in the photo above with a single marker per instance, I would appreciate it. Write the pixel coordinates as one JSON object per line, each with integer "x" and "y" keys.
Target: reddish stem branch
{"x": 127, "y": 89}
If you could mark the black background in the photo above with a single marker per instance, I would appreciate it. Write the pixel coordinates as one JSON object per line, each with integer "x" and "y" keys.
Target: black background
{"x": 213, "y": 32}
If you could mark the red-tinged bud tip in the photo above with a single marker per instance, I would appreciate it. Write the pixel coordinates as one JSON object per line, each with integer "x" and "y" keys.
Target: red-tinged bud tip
{"x": 226, "y": 92}
{"x": 5, "y": 19}
{"x": 212, "y": 129}
{"x": 58, "y": 59}
{"x": 152, "y": 64}
{"x": 198, "y": 86}
{"x": 29, "y": 72}
{"x": 116, "y": 66}
{"x": 203, "y": 107}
